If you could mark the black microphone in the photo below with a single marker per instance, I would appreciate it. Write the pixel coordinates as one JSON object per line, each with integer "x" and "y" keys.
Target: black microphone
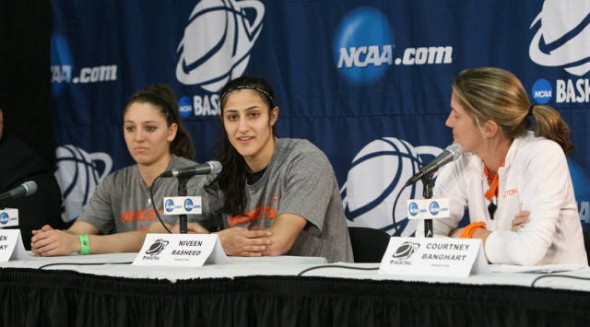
{"x": 25, "y": 189}
{"x": 452, "y": 152}
{"x": 210, "y": 167}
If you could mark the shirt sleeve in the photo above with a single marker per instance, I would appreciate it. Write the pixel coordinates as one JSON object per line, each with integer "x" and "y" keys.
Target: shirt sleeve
{"x": 99, "y": 210}
{"x": 544, "y": 190}
{"x": 309, "y": 183}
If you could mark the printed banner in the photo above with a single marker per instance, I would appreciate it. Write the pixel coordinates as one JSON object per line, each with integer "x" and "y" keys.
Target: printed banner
{"x": 366, "y": 81}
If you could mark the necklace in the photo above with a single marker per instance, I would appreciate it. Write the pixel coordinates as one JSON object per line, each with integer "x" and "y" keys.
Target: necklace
{"x": 492, "y": 193}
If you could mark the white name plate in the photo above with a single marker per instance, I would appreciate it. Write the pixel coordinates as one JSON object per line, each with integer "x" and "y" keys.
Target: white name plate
{"x": 187, "y": 250}
{"x": 428, "y": 208}
{"x": 11, "y": 246}
{"x": 8, "y": 217}
{"x": 434, "y": 257}
{"x": 183, "y": 205}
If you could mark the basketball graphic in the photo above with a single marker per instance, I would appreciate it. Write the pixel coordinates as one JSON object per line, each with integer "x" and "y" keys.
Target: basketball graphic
{"x": 376, "y": 177}
{"x": 405, "y": 251}
{"x": 157, "y": 247}
{"x": 217, "y": 41}
{"x": 78, "y": 173}
{"x": 561, "y": 37}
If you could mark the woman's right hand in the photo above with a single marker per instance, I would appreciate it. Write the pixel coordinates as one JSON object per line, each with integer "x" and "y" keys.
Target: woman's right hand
{"x": 239, "y": 241}
{"x": 50, "y": 242}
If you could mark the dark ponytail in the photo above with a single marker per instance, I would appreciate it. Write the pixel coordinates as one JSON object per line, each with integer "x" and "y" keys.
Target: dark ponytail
{"x": 162, "y": 96}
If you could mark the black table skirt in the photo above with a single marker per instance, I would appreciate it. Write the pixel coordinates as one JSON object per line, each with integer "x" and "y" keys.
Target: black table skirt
{"x": 66, "y": 298}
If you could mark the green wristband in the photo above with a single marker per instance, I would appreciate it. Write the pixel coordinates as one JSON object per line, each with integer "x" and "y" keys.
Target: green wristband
{"x": 84, "y": 244}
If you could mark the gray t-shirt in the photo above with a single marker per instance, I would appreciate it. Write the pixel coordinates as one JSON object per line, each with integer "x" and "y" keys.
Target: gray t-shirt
{"x": 299, "y": 180}
{"x": 121, "y": 202}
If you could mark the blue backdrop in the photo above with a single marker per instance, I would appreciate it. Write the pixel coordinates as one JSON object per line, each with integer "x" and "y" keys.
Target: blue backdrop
{"x": 367, "y": 81}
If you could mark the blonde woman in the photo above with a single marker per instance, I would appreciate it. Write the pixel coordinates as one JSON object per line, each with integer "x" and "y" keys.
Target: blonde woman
{"x": 514, "y": 182}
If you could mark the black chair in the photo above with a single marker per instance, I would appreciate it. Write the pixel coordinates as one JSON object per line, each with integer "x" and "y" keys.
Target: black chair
{"x": 368, "y": 244}
{"x": 587, "y": 244}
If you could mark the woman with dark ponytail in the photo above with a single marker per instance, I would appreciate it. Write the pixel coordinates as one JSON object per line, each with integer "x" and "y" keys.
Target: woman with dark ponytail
{"x": 162, "y": 96}
{"x": 281, "y": 195}
{"x": 158, "y": 141}
{"x": 513, "y": 180}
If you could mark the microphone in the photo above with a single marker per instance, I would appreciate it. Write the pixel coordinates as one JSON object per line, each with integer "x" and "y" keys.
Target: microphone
{"x": 25, "y": 189}
{"x": 210, "y": 167}
{"x": 452, "y": 152}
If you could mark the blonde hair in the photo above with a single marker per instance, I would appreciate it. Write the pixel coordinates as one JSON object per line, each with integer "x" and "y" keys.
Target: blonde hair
{"x": 495, "y": 94}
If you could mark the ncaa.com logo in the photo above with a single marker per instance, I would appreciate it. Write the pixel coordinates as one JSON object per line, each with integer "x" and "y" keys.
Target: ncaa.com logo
{"x": 215, "y": 49}
{"x": 64, "y": 71}
{"x": 364, "y": 48}
{"x": 562, "y": 40}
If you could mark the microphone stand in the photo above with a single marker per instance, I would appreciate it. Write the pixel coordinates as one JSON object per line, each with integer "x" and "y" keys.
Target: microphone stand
{"x": 182, "y": 219}
{"x": 427, "y": 184}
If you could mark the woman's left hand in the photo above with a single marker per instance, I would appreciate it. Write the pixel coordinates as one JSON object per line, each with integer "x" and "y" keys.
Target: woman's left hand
{"x": 520, "y": 219}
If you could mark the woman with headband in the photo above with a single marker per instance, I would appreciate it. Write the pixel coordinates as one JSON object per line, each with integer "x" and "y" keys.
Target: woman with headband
{"x": 280, "y": 194}
{"x": 514, "y": 182}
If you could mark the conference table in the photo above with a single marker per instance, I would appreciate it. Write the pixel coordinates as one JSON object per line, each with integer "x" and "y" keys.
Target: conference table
{"x": 107, "y": 290}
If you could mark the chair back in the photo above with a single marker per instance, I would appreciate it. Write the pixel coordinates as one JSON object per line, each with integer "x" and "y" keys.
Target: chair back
{"x": 368, "y": 244}
{"x": 587, "y": 244}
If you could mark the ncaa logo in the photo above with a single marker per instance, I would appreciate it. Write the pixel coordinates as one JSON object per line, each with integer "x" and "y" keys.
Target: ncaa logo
{"x": 363, "y": 46}
{"x": 4, "y": 218}
{"x": 376, "y": 178}
{"x": 561, "y": 38}
{"x": 185, "y": 107}
{"x": 413, "y": 208}
{"x": 542, "y": 91}
{"x": 188, "y": 205}
{"x": 434, "y": 208}
{"x": 217, "y": 42}
{"x": 169, "y": 205}
{"x": 78, "y": 173}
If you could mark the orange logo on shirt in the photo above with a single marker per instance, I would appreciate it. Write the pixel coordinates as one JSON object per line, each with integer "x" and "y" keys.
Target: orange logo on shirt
{"x": 139, "y": 215}
{"x": 251, "y": 216}
{"x": 509, "y": 192}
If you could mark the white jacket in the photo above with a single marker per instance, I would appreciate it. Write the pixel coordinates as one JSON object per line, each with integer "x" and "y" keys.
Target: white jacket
{"x": 535, "y": 177}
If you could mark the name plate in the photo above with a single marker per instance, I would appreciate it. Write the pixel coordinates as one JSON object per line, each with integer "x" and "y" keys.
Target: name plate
{"x": 11, "y": 246}
{"x": 187, "y": 250}
{"x": 183, "y": 205}
{"x": 428, "y": 208}
{"x": 8, "y": 217}
{"x": 434, "y": 257}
